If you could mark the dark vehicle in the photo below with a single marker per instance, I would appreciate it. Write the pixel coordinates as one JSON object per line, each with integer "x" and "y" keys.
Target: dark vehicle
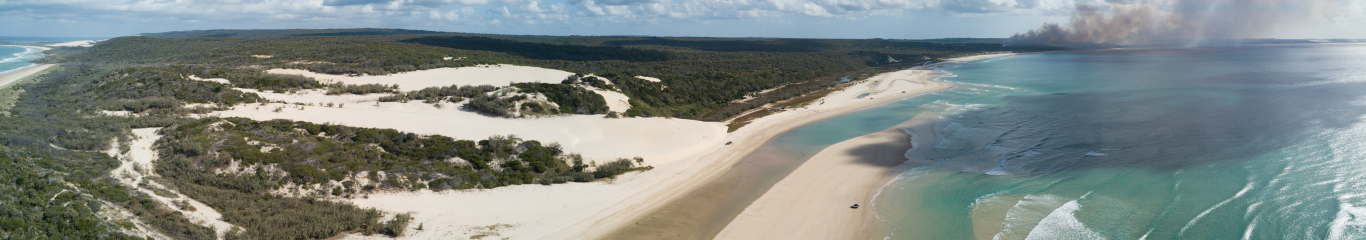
{"x": 728, "y": 143}
{"x": 854, "y": 207}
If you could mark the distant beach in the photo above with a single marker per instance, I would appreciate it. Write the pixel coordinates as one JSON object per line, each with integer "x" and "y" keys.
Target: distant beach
{"x": 16, "y": 66}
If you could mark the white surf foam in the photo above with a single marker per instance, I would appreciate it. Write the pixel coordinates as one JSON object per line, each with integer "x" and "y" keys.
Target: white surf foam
{"x": 1062, "y": 223}
{"x": 1026, "y": 214}
{"x": 1350, "y": 223}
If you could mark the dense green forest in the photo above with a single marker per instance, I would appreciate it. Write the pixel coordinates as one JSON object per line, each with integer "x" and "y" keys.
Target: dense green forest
{"x": 55, "y": 181}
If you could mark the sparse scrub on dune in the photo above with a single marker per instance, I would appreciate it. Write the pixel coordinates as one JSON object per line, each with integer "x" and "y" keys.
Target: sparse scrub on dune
{"x": 570, "y": 98}
{"x": 453, "y": 93}
{"x": 491, "y": 105}
{"x": 362, "y": 89}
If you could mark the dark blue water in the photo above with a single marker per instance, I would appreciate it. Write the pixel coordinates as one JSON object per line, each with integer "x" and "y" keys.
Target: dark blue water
{"x": 1254, "y": 142}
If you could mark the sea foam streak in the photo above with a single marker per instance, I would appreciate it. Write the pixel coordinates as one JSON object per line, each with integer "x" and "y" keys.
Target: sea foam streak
{"x": 1062, "y": 223}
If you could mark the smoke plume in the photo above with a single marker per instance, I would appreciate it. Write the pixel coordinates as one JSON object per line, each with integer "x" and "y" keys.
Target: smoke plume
{"x": 1188, "y": 22}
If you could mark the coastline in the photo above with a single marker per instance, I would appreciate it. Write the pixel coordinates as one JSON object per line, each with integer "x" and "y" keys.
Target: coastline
{"x": 749, "y": 138}
{"x": 15, "y": 75}
{"x": 813, "y": 201}
{"x": 11, "y": 76}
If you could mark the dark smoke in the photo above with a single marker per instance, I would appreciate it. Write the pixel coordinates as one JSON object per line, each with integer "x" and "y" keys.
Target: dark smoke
{"x": 1188, "y": 22}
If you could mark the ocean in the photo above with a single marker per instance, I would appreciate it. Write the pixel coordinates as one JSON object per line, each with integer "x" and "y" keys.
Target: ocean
{"x": 1248, "y": 142}
{"x": 12, "y": 57}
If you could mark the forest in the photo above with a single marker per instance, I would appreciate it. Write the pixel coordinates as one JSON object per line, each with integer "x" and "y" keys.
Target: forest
{"x": 55, "y": 181}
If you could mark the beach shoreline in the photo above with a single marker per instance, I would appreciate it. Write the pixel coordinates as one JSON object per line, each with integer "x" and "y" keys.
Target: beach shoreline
{"x": 11, "y": 76}
{"x": 812, "y": 202}
{"x": 749, "y": 138}
{"x": 15, "y": 75}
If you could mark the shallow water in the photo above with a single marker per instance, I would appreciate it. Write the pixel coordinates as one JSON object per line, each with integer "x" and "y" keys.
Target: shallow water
{"x": 12, "y": 57}
{"x": 1251, "y": 142}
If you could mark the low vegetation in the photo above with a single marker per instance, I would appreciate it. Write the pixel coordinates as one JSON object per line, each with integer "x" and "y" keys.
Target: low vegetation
{"x": 453, "y": 93}
{"x": 570, "y": 98}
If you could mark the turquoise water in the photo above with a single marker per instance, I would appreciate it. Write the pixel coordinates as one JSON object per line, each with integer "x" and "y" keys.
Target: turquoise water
{"x": 1254, "y": 142}
{"x": 12, "y": 58}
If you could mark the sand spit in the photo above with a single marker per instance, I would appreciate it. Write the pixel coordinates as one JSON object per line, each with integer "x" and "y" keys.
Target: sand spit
{"x": 652, "y": 79}
{"x": 814, "y": 201}
{"x": 658, "y": 140}
{"x": 136, "y": 166}
{"x": 496, "y": 75}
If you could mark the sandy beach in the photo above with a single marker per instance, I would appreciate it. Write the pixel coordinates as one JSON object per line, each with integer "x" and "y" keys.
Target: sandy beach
{"x": 874, "y": 91}
{"x": 813, "y": 202}
{"x": 12, "y": 76}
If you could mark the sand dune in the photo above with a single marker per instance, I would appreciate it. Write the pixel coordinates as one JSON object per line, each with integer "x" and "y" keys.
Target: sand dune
{"x": 658, "y": 140}
{"x": 82, "y": 43}
{"x": 136, "y": 164}
{"x": 814, "y": 201}
{"x": 521, "y": 212}
{"x": 496, "y": 75}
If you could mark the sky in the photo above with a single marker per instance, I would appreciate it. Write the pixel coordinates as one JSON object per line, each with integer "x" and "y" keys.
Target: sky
{"x": 892, "y": 19}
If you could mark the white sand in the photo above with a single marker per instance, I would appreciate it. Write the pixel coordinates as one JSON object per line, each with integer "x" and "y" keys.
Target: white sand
{"x": 593, "y": 136}
{"x": 136, "y": 164}
{"x": 82, "y": 43}
{"x": 217, "y": 80}
{"x": 616, "y": 102}
{"x": 496, "y": 75}
{"x": 658, "y": 140}
{"x": 649, "y": 79}
{"x": 532, "y": 211}
{"x": 14, "y": 75}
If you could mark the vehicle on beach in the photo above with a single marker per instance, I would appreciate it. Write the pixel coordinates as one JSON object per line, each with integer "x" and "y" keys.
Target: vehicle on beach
{"x": 854, "y": 207}
{"x": 729, "y": 142}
